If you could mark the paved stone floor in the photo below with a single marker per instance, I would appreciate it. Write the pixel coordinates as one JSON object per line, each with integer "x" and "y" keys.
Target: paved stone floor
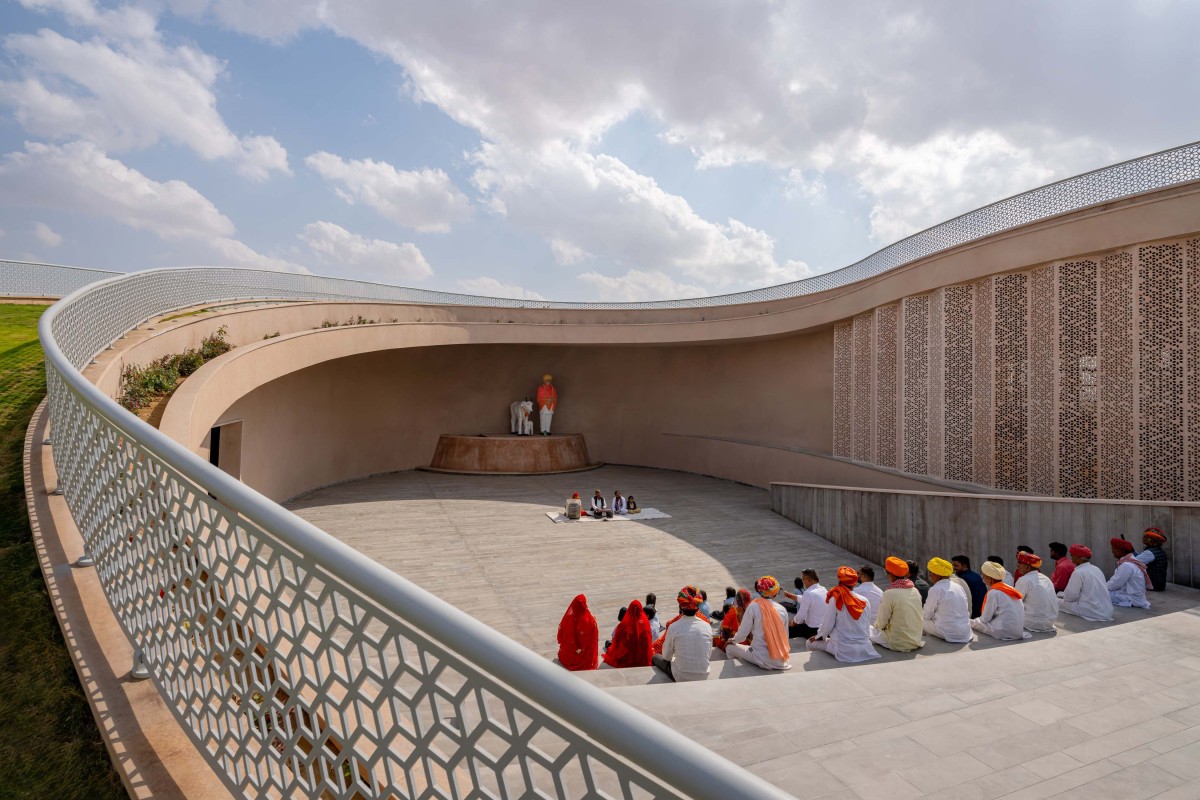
{"x": 1111, "y": 712}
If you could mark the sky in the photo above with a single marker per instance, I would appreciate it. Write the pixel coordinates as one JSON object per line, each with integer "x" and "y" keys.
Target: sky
{"x": 615, "y": 151}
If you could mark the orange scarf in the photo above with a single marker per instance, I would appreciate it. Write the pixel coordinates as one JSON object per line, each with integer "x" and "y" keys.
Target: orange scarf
{"x": 1003, "y": 588}
{"x": 773, "y": 631}
{"x": 844, "y": 598}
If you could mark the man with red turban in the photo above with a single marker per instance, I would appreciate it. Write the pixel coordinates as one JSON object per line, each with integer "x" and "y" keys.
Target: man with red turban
{"x": 900, "y": 622}
{"x": 578, "y": 637}
{"x": 688, "y": 644}
{"x": 1127, "y": 587}
{"x": 1086, "y": 594}
{"x": 846, "y": 632}
{"x": 765, "y": 624}
{"x": 1041, "y": 603}
{"x": 1155, "y": 558}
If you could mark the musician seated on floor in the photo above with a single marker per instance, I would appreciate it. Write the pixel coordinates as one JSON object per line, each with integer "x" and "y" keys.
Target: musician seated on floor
{"x": 600, "y": 509}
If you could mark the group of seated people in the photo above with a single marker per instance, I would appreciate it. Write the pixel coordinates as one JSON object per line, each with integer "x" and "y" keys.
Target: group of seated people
{"x": 601, "y": 508}
{"x": 850, "y": 618}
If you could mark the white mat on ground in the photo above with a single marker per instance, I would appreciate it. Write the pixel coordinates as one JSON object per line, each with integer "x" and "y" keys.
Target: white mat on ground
{"x": 644, "y": 514}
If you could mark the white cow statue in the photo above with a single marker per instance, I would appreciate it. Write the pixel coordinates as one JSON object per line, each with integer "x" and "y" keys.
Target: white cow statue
{"x": 520, "y": 415}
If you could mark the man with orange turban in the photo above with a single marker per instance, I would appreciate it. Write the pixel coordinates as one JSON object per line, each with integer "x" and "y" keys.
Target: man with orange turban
{"x": 947, "y": 608}
{"x": 1155, "y": 558}
{"x": 1041, "y": 603}
{"x": 900, "y": 621}
{"x": 766, "y": 622}
{"x": 1127, "y": 587}
{"x": 846, "y": 632}
{"x": 688, "y": 643}
{"x": 1086, "y": 594}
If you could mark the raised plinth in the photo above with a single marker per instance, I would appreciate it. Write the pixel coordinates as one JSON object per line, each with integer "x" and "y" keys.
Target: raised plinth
{"x": 506, "y": 454}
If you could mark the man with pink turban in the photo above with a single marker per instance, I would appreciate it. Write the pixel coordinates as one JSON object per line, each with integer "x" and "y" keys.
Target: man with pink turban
{"x": 1127, "y": 587}
{"x": 1086, "y": 594}
{"x": 765, "y": 624}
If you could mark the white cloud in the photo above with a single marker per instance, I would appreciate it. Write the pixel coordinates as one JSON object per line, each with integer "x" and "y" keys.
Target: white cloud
{"x": 491, "y": 287}
{"x": 79, "y": 177}
{"x": 567, "y": 253}
{"x": 338, "y": 247}
{"x": 637, "y": 286}
{"x": 597, "y": 204}
{"x": 913, "y": 187}
{"x": 126, "y": 89}
{"x": 46, "y": 235}
{"x": 425, "y": 200}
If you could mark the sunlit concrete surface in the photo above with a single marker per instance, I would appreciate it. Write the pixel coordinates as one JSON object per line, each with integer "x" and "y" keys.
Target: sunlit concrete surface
{"x": 1091, "y": 711}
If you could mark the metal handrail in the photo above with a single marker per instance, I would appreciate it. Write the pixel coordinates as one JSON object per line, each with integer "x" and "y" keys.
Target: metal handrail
{"x": 148, "y": 508}
{"x": 670, "y": 764}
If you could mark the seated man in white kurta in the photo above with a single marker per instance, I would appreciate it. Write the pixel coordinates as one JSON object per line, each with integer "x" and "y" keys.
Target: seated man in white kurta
{"x": 1127, "y": 587}
{"x": 947, "y": 608}
{"x": 1041, "y": 603}
{"x": 765, "y": 624}
{"x": 1003, "y": 615}
{"x": 845, "y": 633}
{"x": 1086, "y": 594}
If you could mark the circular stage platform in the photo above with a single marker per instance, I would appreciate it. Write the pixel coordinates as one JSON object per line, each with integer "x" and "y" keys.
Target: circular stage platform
{"x": 509, "y": 454}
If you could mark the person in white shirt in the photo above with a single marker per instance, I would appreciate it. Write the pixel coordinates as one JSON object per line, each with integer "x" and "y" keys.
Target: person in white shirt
{"x": 687, "y": 647}
{"x": 1041, "y": 603}
{"x": 1127, "y": 587}
{"x": 765, "y": 623}
{"x": 618, "y": 502}
{"x": 869, "y": 589}
{"x": 1086, "y": 594}
{"x": 810, "y": 607}
{"x": 845, "y": 632}
{"x": 1003, "y": 614}
{"x": 1008, "y": 576}
{"x": 600, "y": 508}
{"x": 656, "y": 628}
{"x": 1155, "y": 558}
{"x": 947, "y": 609}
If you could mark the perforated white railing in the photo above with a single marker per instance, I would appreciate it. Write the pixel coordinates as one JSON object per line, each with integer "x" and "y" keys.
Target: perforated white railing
{"x": 302, "y": 668}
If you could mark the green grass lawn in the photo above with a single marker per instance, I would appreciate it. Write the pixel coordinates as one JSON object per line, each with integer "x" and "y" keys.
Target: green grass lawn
{"x": 49, "y": 743}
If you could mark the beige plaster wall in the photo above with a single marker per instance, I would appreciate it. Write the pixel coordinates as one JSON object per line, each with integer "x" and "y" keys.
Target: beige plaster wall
{"x": 384, "y": 411}
{"x": 324, "y": 406}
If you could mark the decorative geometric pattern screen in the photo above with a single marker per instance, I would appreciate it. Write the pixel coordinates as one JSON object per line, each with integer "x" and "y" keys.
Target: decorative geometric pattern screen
{"x": 1079, "y": 378}
{"x": 296, "y": 671}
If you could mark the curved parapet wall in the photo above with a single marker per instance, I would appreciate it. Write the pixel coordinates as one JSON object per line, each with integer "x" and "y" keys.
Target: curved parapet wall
{"x": 23, "y": 279}
{"x": 302, "y": 668}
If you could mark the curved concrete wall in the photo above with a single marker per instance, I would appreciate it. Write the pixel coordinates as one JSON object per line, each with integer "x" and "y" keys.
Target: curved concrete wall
{"x": 695, "y": 389}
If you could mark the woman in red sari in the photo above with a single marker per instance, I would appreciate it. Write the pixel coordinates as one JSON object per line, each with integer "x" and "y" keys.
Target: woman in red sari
{"x": 733, "y": 619}
{"x": 631, "y": 645}
{"x": 578, "y": 637}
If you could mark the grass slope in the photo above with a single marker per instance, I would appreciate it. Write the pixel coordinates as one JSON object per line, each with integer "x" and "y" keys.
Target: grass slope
{"x": 50, "y": 746}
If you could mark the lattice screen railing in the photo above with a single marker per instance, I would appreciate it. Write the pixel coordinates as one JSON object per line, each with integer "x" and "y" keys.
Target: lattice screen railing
{"x": 1079, "y": 378}
{"x": 300, "y": 667}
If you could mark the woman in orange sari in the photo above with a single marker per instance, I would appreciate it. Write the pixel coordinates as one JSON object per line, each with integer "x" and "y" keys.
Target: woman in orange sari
{"x": 732, "y": 619}
{"x": 578, "y": 637}
{"x": 631, "y": 644}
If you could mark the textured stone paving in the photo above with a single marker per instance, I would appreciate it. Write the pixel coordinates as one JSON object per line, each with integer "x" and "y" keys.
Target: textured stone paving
{"x": 1113, "y": 712}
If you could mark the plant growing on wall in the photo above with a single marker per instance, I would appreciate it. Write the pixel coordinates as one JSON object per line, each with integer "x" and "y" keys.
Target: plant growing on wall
{"x": 142, "y": 385}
